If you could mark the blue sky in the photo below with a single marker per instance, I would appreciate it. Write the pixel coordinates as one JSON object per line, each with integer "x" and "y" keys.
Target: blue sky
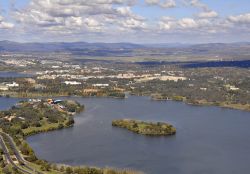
{"x": 161, "y": 21}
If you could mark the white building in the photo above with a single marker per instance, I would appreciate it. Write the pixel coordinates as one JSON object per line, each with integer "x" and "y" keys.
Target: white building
{"x": 100, "y": 85}
{"x": 4, "y": 88}
{"x": 72, "y": 83}
{"x": 13, "y": 84}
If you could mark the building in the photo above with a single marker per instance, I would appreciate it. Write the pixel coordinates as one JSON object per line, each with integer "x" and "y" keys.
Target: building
{"x": 72, "y": 83}
{"x": 100, "y": 85}
{"x": 4, "y": 88}
{"x": 231, "y": 87}
{"x": 13, "y": 84}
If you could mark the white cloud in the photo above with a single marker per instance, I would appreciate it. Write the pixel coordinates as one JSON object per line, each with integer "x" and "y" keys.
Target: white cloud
{"x": 152, "y": 2}
{"x": 208, "y": 14}
{"x": 199, "y": 4}
{"x": 192, "y": 25}
{"x": 133, "y": 24}
{"x": 206, "y": 11}
{"x": 187, "y": 23}
{"x": 184, "y": 24}
{"x": 79, "y": 16}
{"x": 167, "y": 23}
{"x": 168, "y": 4}
{"x": 162, "y": 3}
{"x": 124, "y": 11}
{"x": 116, "y": 19}
{"x": 240, "y": 19}
{"x": 4, "y": 24}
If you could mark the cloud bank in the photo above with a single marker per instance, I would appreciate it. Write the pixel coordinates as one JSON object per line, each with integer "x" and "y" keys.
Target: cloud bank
{"x": 117, "y": 20}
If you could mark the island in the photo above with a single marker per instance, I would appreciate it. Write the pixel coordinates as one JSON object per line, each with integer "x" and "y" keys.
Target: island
{"x": 145, "y": 128}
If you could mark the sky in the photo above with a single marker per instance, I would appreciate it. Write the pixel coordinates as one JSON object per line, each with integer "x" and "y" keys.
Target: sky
{"x": 136, "y": 21}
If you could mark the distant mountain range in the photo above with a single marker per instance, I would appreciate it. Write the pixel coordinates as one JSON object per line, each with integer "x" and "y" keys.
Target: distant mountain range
{"x": 61, "y": 46}
{"x": 76, "y": 46}
{"x": 174, "y": 51}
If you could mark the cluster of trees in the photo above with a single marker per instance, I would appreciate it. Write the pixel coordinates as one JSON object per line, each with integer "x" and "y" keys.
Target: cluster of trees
{"x": 8, "y": 169}
{"x": 145, "y": 128}
{"x": 27, "y": 151}
{"x": 2, "y": 162}
{"x": 29, "y": 115}
{"x": 56, "y": 87}
{"x": 117, "y": 94}
{"x": 45, "y": 166}
{"x": 72, "y": 106}
{"x": 193, "y": 91}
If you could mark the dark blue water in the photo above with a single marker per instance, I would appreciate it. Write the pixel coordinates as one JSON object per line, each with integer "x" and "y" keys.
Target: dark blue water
{"x": 6, "y": 74}
{"x": 6, "y": 103}
{"x": 235, "y": 63}
{"x": 209, "y": 140}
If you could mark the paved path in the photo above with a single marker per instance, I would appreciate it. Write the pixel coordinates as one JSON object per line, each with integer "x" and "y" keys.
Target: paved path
{"x": 19, "y": 157}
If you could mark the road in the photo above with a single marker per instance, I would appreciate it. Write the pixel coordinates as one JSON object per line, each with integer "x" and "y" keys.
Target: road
{"x": 8, "y": 157}
{"x": 19, "y": 157}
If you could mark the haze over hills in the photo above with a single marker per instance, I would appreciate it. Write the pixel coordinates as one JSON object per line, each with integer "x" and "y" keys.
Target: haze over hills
{"x": 6, "y": 45}
{"x": 61, "y": 46}
{"x": 168, "y": 51}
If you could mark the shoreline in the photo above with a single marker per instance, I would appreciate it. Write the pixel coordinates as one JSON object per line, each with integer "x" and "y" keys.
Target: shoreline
{"x": 220, "y": 105}
{"x": 36, "y": 95}
{"x": 236, "y": 106}
{"x": 56, "y": 128}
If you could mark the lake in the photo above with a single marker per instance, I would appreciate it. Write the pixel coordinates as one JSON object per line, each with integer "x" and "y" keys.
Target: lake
{"x": 6, "y": 103}
{"x": 10, "y": 74}
{"x": 209, "y": 140}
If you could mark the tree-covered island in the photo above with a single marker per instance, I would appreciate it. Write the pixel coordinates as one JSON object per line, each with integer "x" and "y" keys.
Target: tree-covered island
{"x": 145, "y": 128}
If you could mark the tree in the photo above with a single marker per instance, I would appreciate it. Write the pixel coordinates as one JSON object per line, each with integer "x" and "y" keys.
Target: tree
{"x": 54, "y": 167}
{"x": 62, "y": 169}
{"x": 69, "y": 170}
{"x": 45, "y": 166}
{"x": 70, "y": 122}
{"x": 7, "y": 170}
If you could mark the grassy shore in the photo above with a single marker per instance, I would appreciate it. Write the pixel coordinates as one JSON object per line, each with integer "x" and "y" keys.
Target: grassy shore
{"x": 52, "y": 95}
{"x": 145, "y": 128}
{"x": 238, "y": 106}
{"x": 45, "y": 127}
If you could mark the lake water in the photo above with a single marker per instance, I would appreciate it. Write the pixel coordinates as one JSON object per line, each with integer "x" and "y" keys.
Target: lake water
{"x": 209, "y": 140}
{"x": 6, "y": 103}
{"x": 9, "y": 74}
